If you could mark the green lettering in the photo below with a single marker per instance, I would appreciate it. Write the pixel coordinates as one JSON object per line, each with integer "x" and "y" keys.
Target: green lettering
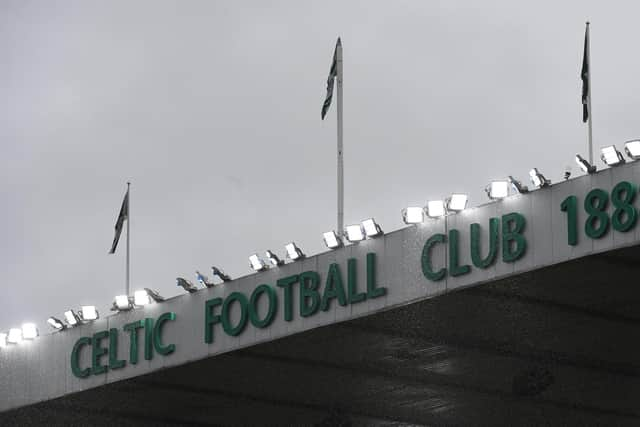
{"x": 476, "y": 257}
{"x": 454, "y": 257}
{"x": 287, "y": 284}
{"x": 309, "y": 283}
{"x": 333, "y": 288}
{"x": 75, "y": 355}
{"x": 373, "y": 291}
{"x": 210, "y": 319}
{"x": 226, "y": 314}
{"x": 132, "y": 328}
{"x": 271, "y": 310}
{"x": 98, "y": 352}
{"x": 114, "y": 362}
{"x": 352, "y": 282}
{"x": 157, "y": 334}
{"x": 427, "y": 269}
{"x": 148, "y": 338}
{"x": 514, "y": 244}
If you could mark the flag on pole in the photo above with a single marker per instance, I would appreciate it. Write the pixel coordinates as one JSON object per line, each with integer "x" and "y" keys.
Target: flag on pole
{"x": 585, "y": 77}
{"x": 333, "y": 72}
{"x": 124, "y": 214}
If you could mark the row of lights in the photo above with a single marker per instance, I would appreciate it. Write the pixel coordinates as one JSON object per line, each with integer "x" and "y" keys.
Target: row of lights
{"x": 353, "y": 233}
{"x": 203, "y": 280}
{"x": 86, "y": 314}
{"x": 611, "y": 156}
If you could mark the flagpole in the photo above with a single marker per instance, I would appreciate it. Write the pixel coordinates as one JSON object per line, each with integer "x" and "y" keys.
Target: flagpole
{"x": 340, "y": 229}
{"x": 128, "y": 221}
{"x": 589, "y": 96}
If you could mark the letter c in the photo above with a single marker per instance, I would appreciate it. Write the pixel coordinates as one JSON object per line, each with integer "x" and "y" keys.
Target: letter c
{"x": 427, "y": 269}
{"x": 75, "y": 353}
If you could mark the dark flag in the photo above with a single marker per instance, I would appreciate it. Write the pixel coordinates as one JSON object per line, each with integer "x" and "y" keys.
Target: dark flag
{"x": 333, "y": 72}
{"x": 124, "y": 214}
{"x": 585, "y": 77}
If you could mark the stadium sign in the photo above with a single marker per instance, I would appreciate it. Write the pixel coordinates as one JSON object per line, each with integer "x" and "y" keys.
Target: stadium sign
{"x": 305, "y": 294}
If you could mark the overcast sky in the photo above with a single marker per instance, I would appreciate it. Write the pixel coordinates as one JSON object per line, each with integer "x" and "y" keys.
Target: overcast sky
{"x": 212, "y": 110}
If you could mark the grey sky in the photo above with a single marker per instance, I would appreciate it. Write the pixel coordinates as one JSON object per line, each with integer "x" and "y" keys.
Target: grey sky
{"x": 212, "y": 110}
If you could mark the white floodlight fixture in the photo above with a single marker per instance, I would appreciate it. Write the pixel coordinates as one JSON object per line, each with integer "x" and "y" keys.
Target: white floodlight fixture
{"x": 537, "y": 179}
{"x": 632, "y": 148}
{"x": 435, "y": 208}
{"x": 585, "y": 166}
{"x": 29, "y": 331}
{"x": 413, "y": 215}
{"x": 220, "y": 274}
{"x": 497, "y": 189}
{"x": 141, "y": 298}
{"x": 72, "y": 318}
{"x": 88, "y": 312}
{"x": 273, "y": 258}
{"x": 332, "y": 240}
{"x": 56, "y": 323}
{"x": 517, "y": 186}
{"x": 371, "y": 228}
{"x": 257, "y": 264}
{"x": 122, "y": 303}
{"x": 203, "y": 280}
{"x": 611, "y": 156}
{"x": 15, "y": 336}
{"x": 146, "y": 297}
{"x": 3, "y": 339}
{"x": 294, "y": 252}
{"x": 457, "y": 202}
{"x": 186, "y": 285}
{"x": 354, "y": 233}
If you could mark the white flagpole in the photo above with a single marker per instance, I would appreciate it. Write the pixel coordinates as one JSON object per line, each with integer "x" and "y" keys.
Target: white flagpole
{"x": 589, "y": 96}
{"x": 128, "y": 221}
{"x": 340, "y": 229}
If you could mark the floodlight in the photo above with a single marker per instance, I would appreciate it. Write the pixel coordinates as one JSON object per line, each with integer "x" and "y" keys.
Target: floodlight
{"x": 498, "y": 189}
{"x": 294, "y": 252}
{"x": 220, "y": 274}
{"x": 457, "y": 202}
{"x": 186, "y": 285}
{"x": 15, "y": 336}
{"x": 122, "y": 303}
{"x": 257, "y": 264}
{"x": 56, "y": 323}
{"x": 141, "y": 298}
{"x": 632, "y": 148}
{"x": 611, "y": 156}
{"x": 332, "y": 240}
{"x": 154, "y": 295}
{"x": 29, "y": 331}
{"x": 435, "y": 208}
{"x": 72, "y": 318}
{"x": 567, "y": 172}
{"x": 273, "y": 258}
{"x": 537, "y": 179}
{"x": 371, "y": 228}
{"x": 203, "y": 280}
{"x": 354, "y": 233}
{"x": 517, "y": 186}
{"x": 584, "y": 165}
{"x": 3, "y": 339}
{"x": 413, "y": 215}
{"x": 88, "y": 312}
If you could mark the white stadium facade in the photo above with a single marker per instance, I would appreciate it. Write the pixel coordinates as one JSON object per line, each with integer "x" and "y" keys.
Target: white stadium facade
{"x": 523, "y": 311}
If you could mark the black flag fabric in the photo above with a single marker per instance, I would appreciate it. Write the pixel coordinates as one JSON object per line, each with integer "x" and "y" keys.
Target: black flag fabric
{"x": 333, "y": 72}
{"x": 124, "y": 214}
{"x": 585, "y": 77}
